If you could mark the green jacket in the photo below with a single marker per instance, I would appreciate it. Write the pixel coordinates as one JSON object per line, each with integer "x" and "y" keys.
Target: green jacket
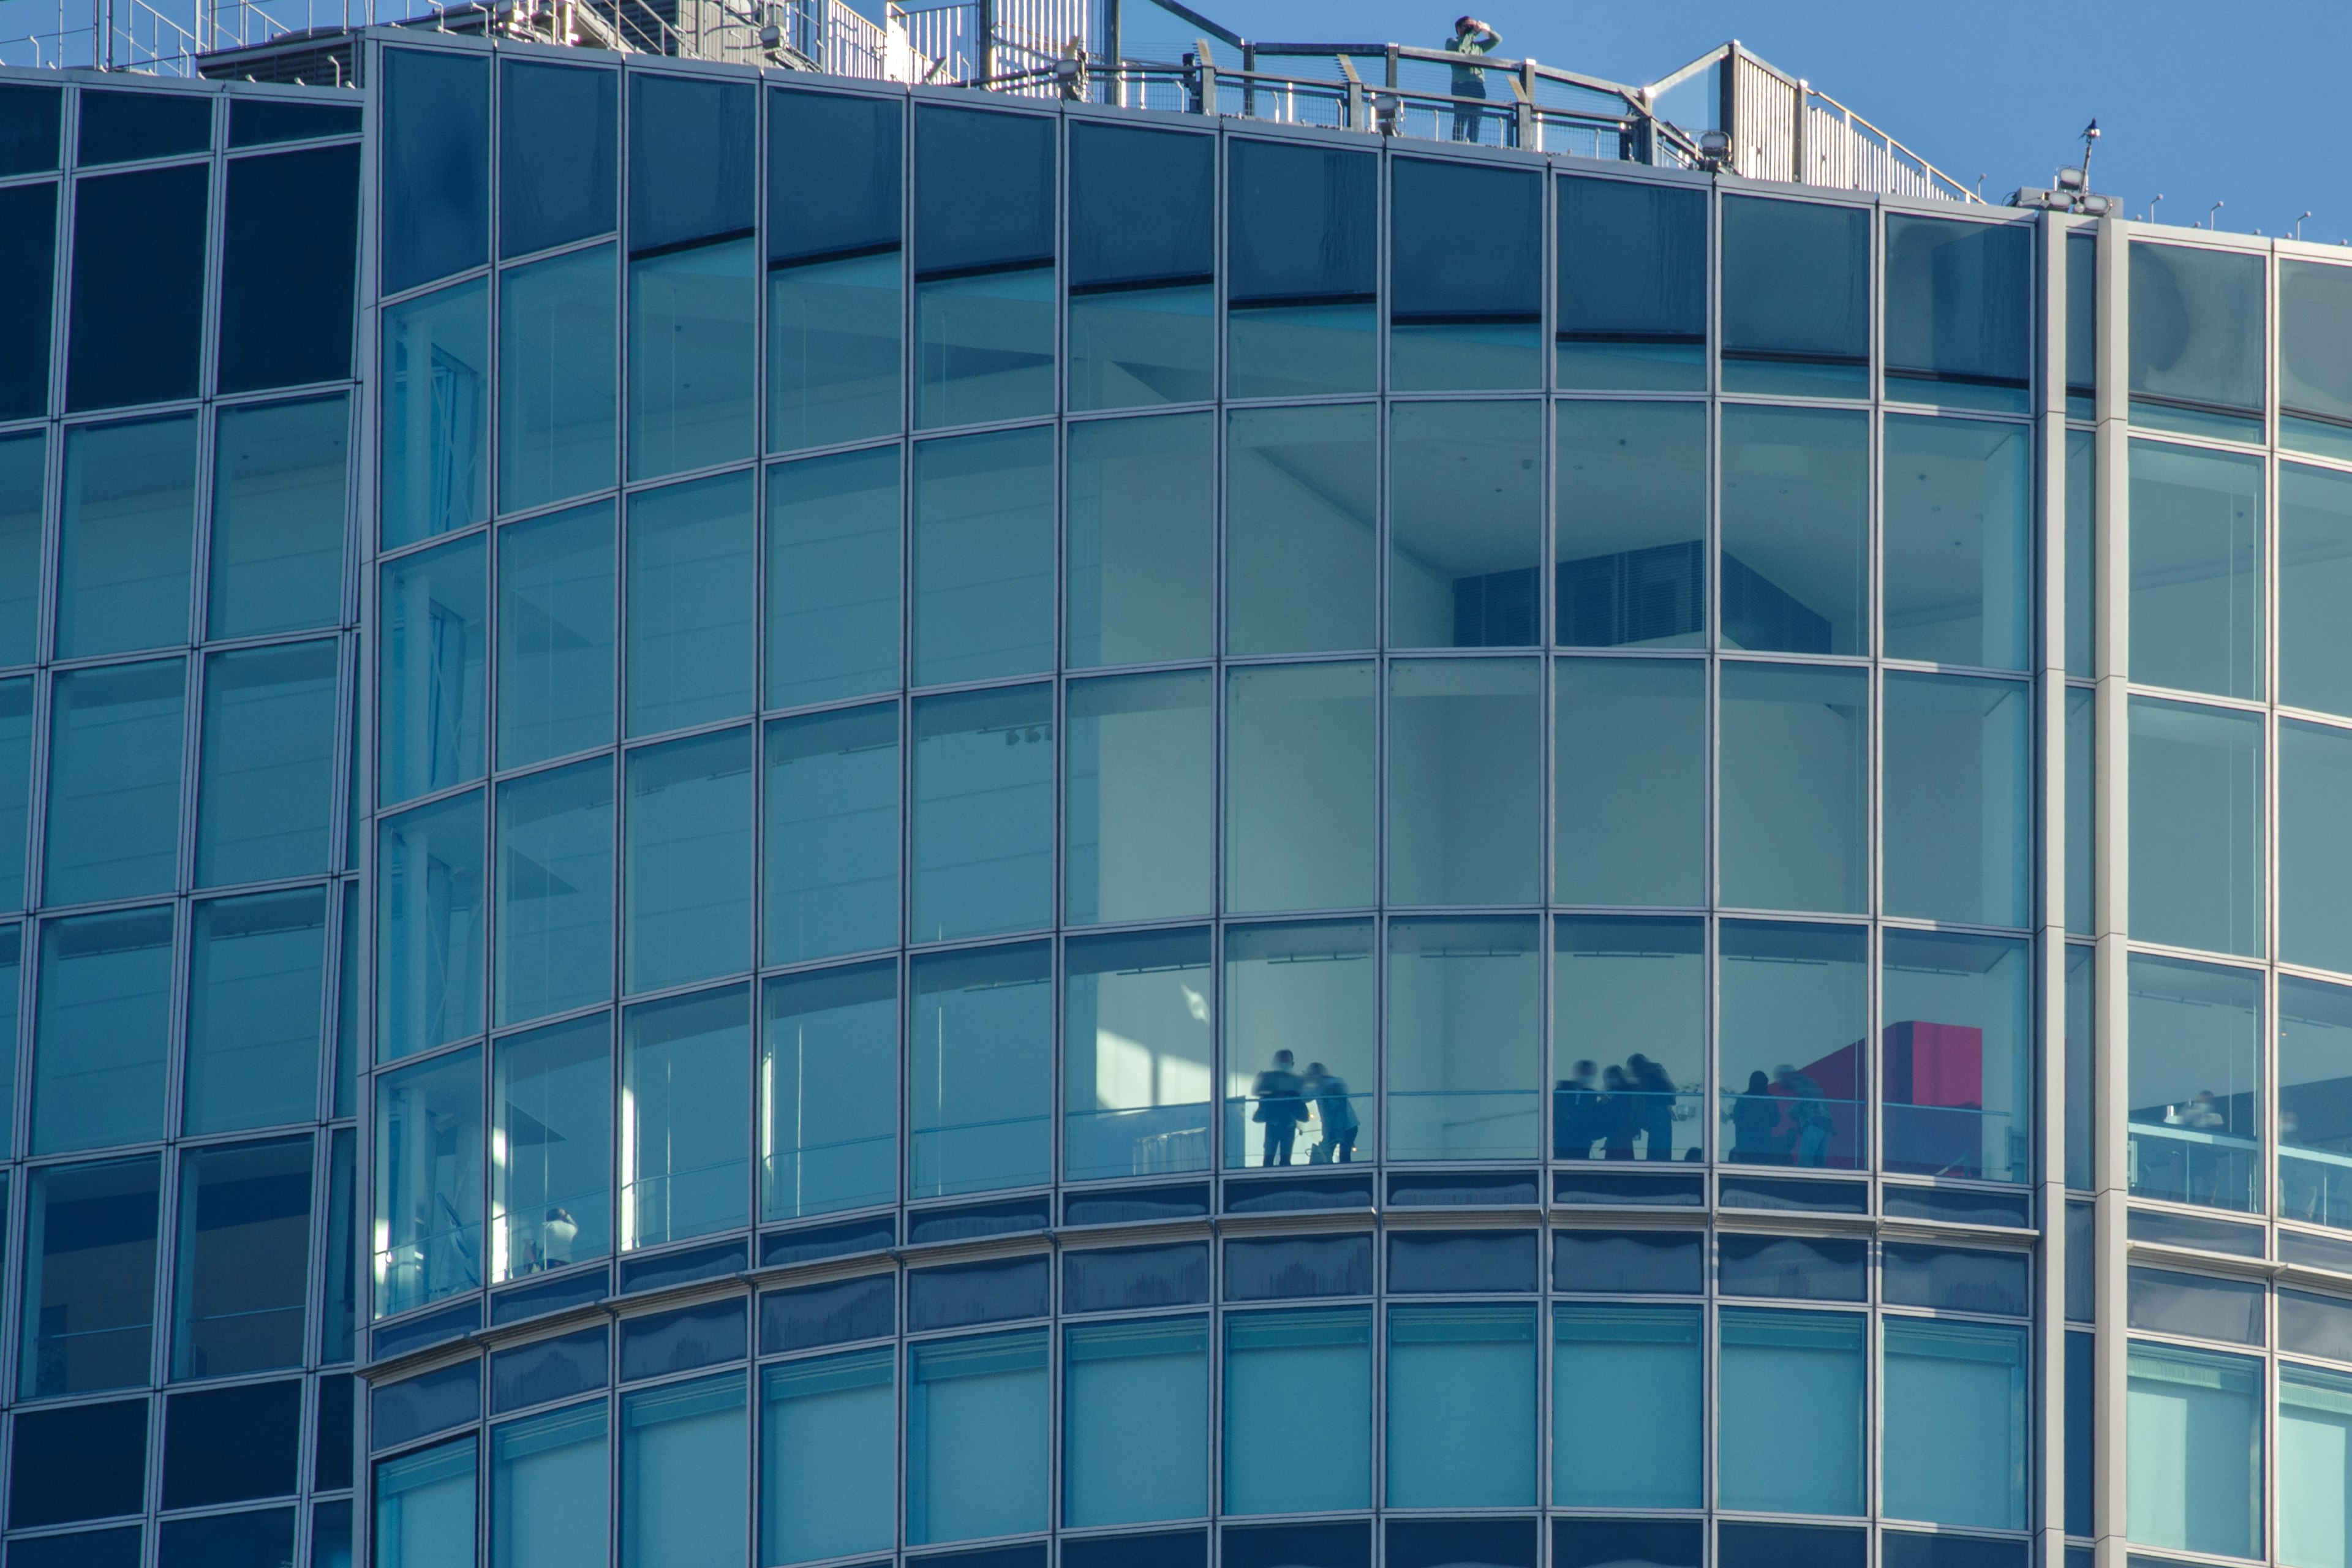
{"x": 1468, "y": 80}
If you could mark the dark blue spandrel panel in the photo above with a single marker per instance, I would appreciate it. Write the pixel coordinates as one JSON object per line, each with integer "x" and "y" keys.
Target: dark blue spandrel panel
{"x": 1959, "y": 312}
{"x": 1434, "y": 275}
{"x": 228, "y": 1444}
{"x": 29, "y": 127}
{"x": 118, "y": 126}
{"x": 665, "y": 1343}
{"x": 550, "y": 1370}
{"x": 834, "y": 175}
{"x": 436, "y": 172}
{"x": 29, "y": 233}
{"x": 87, "y": 1461}
{"x": 257, "y": 1536}
{"x": 1632, "y": 309}
{"x": 1796, "y": 297}
{"x": 449, "y": 1396}
{"x": 693, "y": 152}
{"x": 254, "y": 122}
{"x": 289, "y": 245}
{"x": 1302, "y": 225}
{"x": 559, "y": 154}
{"x": 138, "y": 236}
{"x": 84, "y": 1549}
{"x": 1142, "y": 208}
{"x": 983, "y": 191}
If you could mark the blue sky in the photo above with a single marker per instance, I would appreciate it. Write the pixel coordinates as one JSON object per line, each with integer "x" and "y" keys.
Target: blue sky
{"x": 2245, "y": 104}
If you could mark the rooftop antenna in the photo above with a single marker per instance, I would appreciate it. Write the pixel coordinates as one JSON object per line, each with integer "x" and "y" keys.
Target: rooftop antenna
{"x": 2298, "y": 224}
{"x": 2213, "y": 217}
{"x": 2151, "y": 206}
{"x": 2090, "y": 145}
{"x": 1980, "y": 180}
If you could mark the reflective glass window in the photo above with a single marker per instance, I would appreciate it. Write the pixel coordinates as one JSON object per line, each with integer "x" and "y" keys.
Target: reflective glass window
{"x": 255, "y": 121}
{"x": 425, "y": 1508}
{"x": 690, "y": 594}
{"x": 1464, "y": 523}
{"x": 555, "y": 635}
{"x": 29, "y": 127}
{"x": 1301, "y": 786}
{"x": 554, "y": 917}
{"x": 255, "y": 1007}
{"x": 1274, "y": 1362}
{"x": 1631, "y": 504}
{"x": 981, "y": 1101}
{"x": 829, "y": 1092}
{"x": 125, "y": 536}
{"x": 691, "y": 347}
{"x": 1141, "y": 549}
{"x": 1956, "y": 1055}
{"x": 1959, "y": 536}
{"x": 2314, "y": 587}
{"x": 862, "y": 1308}
{"x": 1463, "y": 763}
{"x": 1795, "y": 298}
{"x": 992, "y": 1291}
{"x": 16, "y": 786}
{"x": 1302, "y": 269}
{"x": 2195, "y": 1078}
{"x": 2313, "y": 852}
{"x": 983, "y": 540}
{"x": 1463, "y": 1035}
{"x": 982, "y": 828}
{"x": 289, "y": 247}
{"x": 1135, "y": 1420}
{"x": 1670, "y": 1262}
{"x": 28, "y": 265}
{"x": 828, "y": 1456}
{"x": 139, "y": 236}
{"x": 1641, "y": 1366}
{"x": 983, "y": 265}
{"x": 2197, "y": 612}
{"x": 437, "y": 176}
{"x": 556, "y": 374}
{"x": 2196, "y": 340}
{"x": 429, "y": 888}
{"x": 1795, "y": 530}
{"x": 2082, "y": 325}
{"x": 979, "y": 1443}
{"x": 2315, "y": 1426}
{"x": 2082, "y": 556}
{"x": 1797, "y": 1267}
{"x": 1954, "y": 808}
{"x": 1462, "y": 1406}
{"x": 114, "y": 782}
{"x": 547, "y": 197}
{"x": 1666, "y": 1542}
{"x": 549, "y": 1489}
{"x": 90, "y": 1286}
{"x": 1794, "y": 771}
{"x": 244, "y": 1252}
{"x": 428, "y": 1182}
{"x": 682, "y": 1473}
{"x": 266, "y": 779}
{"x": 2315, "y": 1128}
{"x": 435, "y": 402}
{"x": 2193, "y": 1450}
{"x": 1633, "y": 286}
{"x": 1953, "y": 1440}
{"x": 1139, "y": 797}
{"x": 833, "y": 577}
{"x": 279, "y": 481}
{"x": 1295, "y": 995}
{"x": 1790, "y": 1420}
{"x": 1119, "y": 1279}
{"x": 831, "y": 784}
{"x": 120, "y": 127}
{"x": 2315, "y": 347}
{"x": 2197, "y": 809}
{"x": 101, "y": 1034}
{"x": 1136, "y": 1041}
{"x": 2080, "y": 821}
{"x": 1628, "y": 782}
{"x": 23, "y": 464}
{"x": 338, "y": 1309}
{"x": 1959, "y": 312}
{"x": 1142, "y": 300}
{"x": 1463, "y": 317}
{"x": 2080, "y": 998}
{"x": 1301, "y": 548}
{"x": 1794, "y": 1006}
{"x": 550, "y": 1141}
{"x": 1636, "y": 987}
{"x": 12, "y": 973}
{"x": 2194, "y": 1305}
{"x": 834, "y": 306}
{"x": 692, "y": 143}
{"x": 684, "y": 1138}
{"x": 431, "y": 647}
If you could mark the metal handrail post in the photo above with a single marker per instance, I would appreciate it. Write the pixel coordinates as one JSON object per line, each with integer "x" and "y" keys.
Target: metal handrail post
{"x": 1530, "y": 129}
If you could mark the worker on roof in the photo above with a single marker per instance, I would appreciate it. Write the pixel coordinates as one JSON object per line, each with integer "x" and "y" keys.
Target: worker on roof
{"x": 1471, "y": 37}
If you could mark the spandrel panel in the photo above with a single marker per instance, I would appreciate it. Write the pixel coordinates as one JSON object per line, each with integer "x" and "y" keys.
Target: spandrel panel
{"x": 1273, "y": 1468}
{"x": 1953, "y": 1444}
{"x": 550, "y": 1488}
{"x": 828, "y": 1450}
{"x": 1465, "y": 510}
{"x": 29, "y": 127}
{"x": 685, "y": 1152}
{"x": 979, "y": 1437}
{"x": 692, "y": 352}
{"x": 1955, "y": 810}
{"x": 244, "y": 1250}
{"x": 833, "y": 577}
{"x": 16, "y": 786}
{"x": 257, "y": 122}
{"x": 24, "y": 476}
{"x": 1301, "y": 782}
{"x": 1136, "y": 1042}
{"x": 90, "y": 1282}
{"x": 1140, "y": 798}
{"x": 28, "y": 236}
{"x": 136, "y": 236}
{"x": 1628, "y": 782}
{"x": 1629, "y": 1039}
{"x": 1116, "y": 1469}
{"x": 1296, "y": 994}
{"x": 554, "y": 914}
{"x": 1142, "y": 301}
{"x": 1790, "y": 1424}
{"x": 1796, "y": 530}
{"x": 829, "y": 1092}
{"x": 559, "y": 147}
{"x": 2197, "y": 809}
{"x": 429, "y": 888}
{"x": 2314, "y": 655}
{"x": 1465, "y": 758}
{"x": 1302, "y": 269}
{"x": 1645, "y": 1365}
{"x": 1959, "y": 540}
{"x": 2197, "y": 612}
{"x": 2315, "y": 850}
{"x": 2194, "y": 1096}
{"x": 1301, "y": 538}
{"x": 981, "y": 1074}
{"x": 278, "y": 487}
{"x": 690, "y": 592}
{"x": 693, "y": 151}
{"x": 2196, "y": 340}
{"x": 1631, "y": 504}
{"x": 1794, "y": 770}
{"x": 1465, "y": 1033}
{"x": 687, "y": 872}
{"x": 2315, "y": 1133}
{"x": 430, "y": 649}
{"x": 436, "y": 175}
{"x": 103, "y": 1030}
{"x": 126, "y": 531}
{"x": 114, "y": 783}
{"x": 1959, "y": 312}
{"x": 290, "y": 248}
{"x": 1465, "y": 317}
{"x": 557, "y": 390}
{"x": 1142, "y": 518}
{"x": 982, "y": 834}
{"x": 1794, "y": 1014}
{"x": 832, "y": 813}
{"x": 119, "y": 126}
{"x": 2314, "y": 349}
{"x": 1633, "y": 286}
{"x": 437, "y": 396}
{"x": 555, "y": 635}
{"x": 1462, "y": 1406}
{"x": 983, "y": 572}
{"x": 1795, "y": 298}
{"x": 255, "y": 1009}
{"x": 552, "y": 1138}
{"x": 1955, "y": 1053}
{"x": 265, "y": 783}
{"x": 834, "y": 265}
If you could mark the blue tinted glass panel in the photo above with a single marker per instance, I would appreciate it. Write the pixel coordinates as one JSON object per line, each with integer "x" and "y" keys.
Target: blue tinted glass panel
{"x": 685, "y": 1139}
{"x": 983, "y": 833}
{"x": 2195, "y": 1082}
{"x": 12, "y": 973}
{"x": 2197, "y": 812}
{"x": 1631, "y": 501}
{"x": 429, "y": 927}
{"x": 1636, "y": 987}
{"x": 1300, "y": 787}
{"x": 1117, "y": 1468}
{"x": 557, "y": 388}
{"x": 16, "y": 786}
{"x": 694, "y": 146}
{"x": 1302, "y": 269}
{"x": 981, "y": 1071}
{"x": 983, "y": 190}
{"x": 1272, "y": 1467}
{"x": 1956, "y": 817}
{"x": 829, "y": 1092}
{"x": 255, "y": 121}
{"x": 689, "y": 595}
{"x": 1297, "y": 995}
{"x": 89, "y": 1310}
{"x": 289, "y": 245}
{"x": 1141, "y": 516}
{"x": 428, "y": 1182}
{"x": 979, "y": 1447}
{"x": 2315, "y": 856}
{"x": 1796, "y": 505}
{"x": 24, "y": 478}
{"x": 29, "y": 127}
{"x": 831, "y": 799}
{"x": 437, "y": 398}
{"x": 1462, "y": 1406}
{"x": 28, "y": 234}
{"x": 126, "y": 531}
{"x": 691, "y": 356}
{"x": 1136, "y": 1025}
{"x": 1959, "y": 312}
{"x": 1794, "y": 1012}
{"x": 1465, "y": 800}
{"x": 2193, "y": 1441}
{"x": 1140, "y": 798}
{"x": 833, "y": 577}
{"x": 123, "y": 127}
{"x": 544, "y": 1371}
{"x": 279, "y": 486}
{"x": 983, "y": 537}
{"x": 136, "y": 236}
{"x": 2315, "y": 1138}
{"x": 114, "y": 764}
{"x": 2197, "y": 342}
{"x": 828, "y": 1448}
{"x": 550, "y": 1182}
{"x": 864, "y": 1308}
{"x": 266, "y": 785}
{"x": 1643, "y": 1365}
{"x": 2197, "y": 609}
{"x": 1959, "y": 534}
{"x": 1956, "y": 1052}
{"x": 1633, "y": 286}
{"x": 1794, "y": 771}
{"x": 544, "y": 199}
{"x": 1141, "y": 237}
{"x": 254, "y": 1010}
{"x": 1462, "y": 564}
{"x": 555, "y": 635}
{"x": 1954, "y": 1443}
{"x": 100, "y": 1039}
{"x": 430, "y": 646}
{"x": 686, "y": 872}
{"x": 244, "y": 1250}
{"x": 437, "y": 174}
{"x": 2314, "y": 587}
{"x": 1791, "y": 1422}
{"x": 833, "y": 268}
{"x": 1795, "y": 298}
{"x": 425, "y": 1508}
{"x": 554, "y": 919}
{"x": 1463, "y": 1033}
{"x": 2315, "y": 1420}
{"x": 1301, "y": 547}
{"x": 1465, "y": 317}
{"x": 1630, "y": 782}
{"x": 833, "y": 173}
{"x": 549, "y": 1487}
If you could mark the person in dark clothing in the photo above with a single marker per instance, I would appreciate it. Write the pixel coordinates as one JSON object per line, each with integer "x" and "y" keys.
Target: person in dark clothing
{"x": 1655, "y": 1095}
{"x": 1618, "y": 1118}
{"x": 1280, "y": 1106}
{"x": 1809, "y": 1111}
{"x": 1573, "y": 1128}
{"x": 1328, "y": 1092}
{"x": 1756, "y": 1138}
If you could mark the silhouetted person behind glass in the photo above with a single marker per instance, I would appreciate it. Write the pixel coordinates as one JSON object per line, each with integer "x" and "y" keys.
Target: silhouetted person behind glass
{"x": 557, "y": 1233}
{"x": 1327, "y": 1091}
{"x": 1280, "y": 1106}
{"x": 1655, "y": 1102}
{"x": 1617, "y": 1119}
{"x": 1755, "y": 1125}
{"x": 1809, "y": 1109}
{"x": 1572, "y": 1115}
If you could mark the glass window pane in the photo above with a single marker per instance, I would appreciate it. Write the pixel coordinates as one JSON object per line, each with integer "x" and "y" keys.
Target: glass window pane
{"x": 1302, "y": 236}
{"x": 1638, "y": 986}
{"x": 979, "y": 1446}
{"x": 1631, "y": 500}
{"x": 693, "y": 145}
{"x": 2314, "y": 1131}
{"x": 1142, "y": 541}
{"x": 1461, "y": 316}
{"x": 829, "y": 1092}
{"x": 549, "y": 1490}
{"x": 2193, "y": 1449}
{"x": 1959, "y": 312}
{"x": 1465, "y": 758}
{"x": 2081, "y": 822}
{"x": 1462, "y": 1406}
{"x": 2196, "y": 340}
{"x": 12, "y": 974}
{"x": 1791, "y": 1420}
{"x": 103, "y": 1030}
{"x": 1957, "y": 821}
{"x": 16, "y": 786}
{"x": 686, "y": 875}
{"x": 1139, "y": 797}
{"x": 89, "y": 1281}
{"x": 832, "y": 846}
{"x": 2080, "y": 1138}
{"x": 1628, "y": 782}
{"x": 2196, "y": 559}
{"x": 545, "y": 200}
{"x": 1463, "y": 555}
{"x": 2315, "y": 390}
{"x": 983, "y": 556}
{"x": 682, "y": 1473}
{"x": 255, "y": 121}
{"x": 1142, "y": 300}
{"x": 1300, "y": 543}
{"x": 1643, "y": 1366}
{"x": 1279, "y": 1364}
{"x": 2315, "y": 856}
{"x": 140, "y": 237}
{"x": 277, "y": 517}
{"x": 429, "y": 927}
{"x": 428, "y": 1182}
{"x": 339, "y": 1308}
{"x": 266, "y": 792}
{"x": 429, "y": 695}
{"x": 2082, "y": 325}
{"x": 1117, "y": 1468}
{"x": 1953, "y": 1442}
{"x": 289, "y": 245}
{"x": 983, "y": 813}
{"x": 984, "y": 346}
{"x": 981, "y": 1115}
{"x": 1795, "y": 528}
{"x": 1633, "y": 286}
{"x": 2082, "y": 556}
{"x": 834, "y": 266}
{"x": 1959, "y": 537}
{"x": 983, "y": 265}
{"x": 28, "y": 272}
{"x": 24, "y": 475}
{"x": 437, "y": 127}
{"x": 2314, "y": 1433}
{"x": 424, "y": 1509}
{"x": 828, "y": 1457}
{"x": 1795, "y": 298}
{"x": 1300, "y": 785}
{"x": 436, "y": 413}
{"x": 29, "y": 127}
{"x": 114, "y": 783}
{"x": 555, "y": 635}
{"x": 1956, "y": 1054}
{"x": 254, "y": 1009}
{"x": 690, "y": 596}
{"x": 833, "y": 577}
{"x": 2314, "y": 587}
{"x": 555, "y": 920}
{"x": 1291, "y": 991}
{"x": 2196, "y": 870}
{"x": 1795, "y": 1008}
{"x": 127, "y": 530}
{"x": 550, "y": 1160}
{"x": 244, "y": 1250}
{"x": 2195, "y": 1065}
{"x": 691, "y": 355}
{"x": 556, "y": 393}
{"x": 1795, "y": 787}
{"x": 1464, "y": 1037}
{"x": 1138, "y": 1041}
{"x": 684, "y": 1137}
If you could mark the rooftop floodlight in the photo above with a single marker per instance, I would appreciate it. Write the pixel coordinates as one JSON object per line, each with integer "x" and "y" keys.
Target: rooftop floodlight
{"x": 1715, "y": 148}
{"x": 770, "y": 37}
{"x": 1065, "y": 69}
{"x": 2098, "y": 207}
{"x": 2071, "y": 179}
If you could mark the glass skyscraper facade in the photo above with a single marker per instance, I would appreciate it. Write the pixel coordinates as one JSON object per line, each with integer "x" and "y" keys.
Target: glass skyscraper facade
{"x": 755, "y": 819}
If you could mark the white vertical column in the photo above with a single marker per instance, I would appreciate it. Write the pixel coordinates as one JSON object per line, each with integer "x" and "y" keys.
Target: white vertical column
{"x": 2048, "y": 1507}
